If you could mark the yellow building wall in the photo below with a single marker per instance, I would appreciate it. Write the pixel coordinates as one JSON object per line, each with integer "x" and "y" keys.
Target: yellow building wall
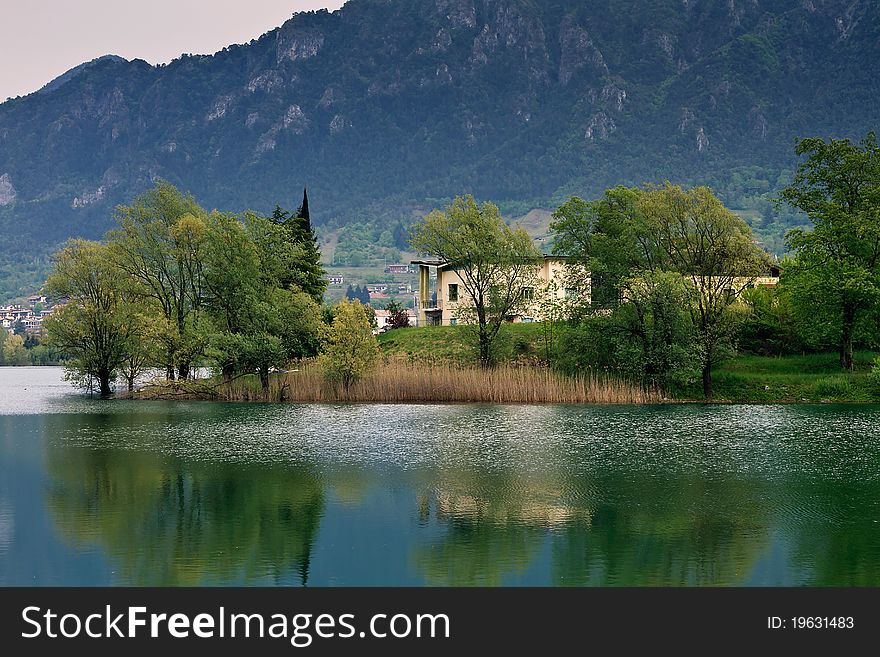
{"x": 552, "y": 269}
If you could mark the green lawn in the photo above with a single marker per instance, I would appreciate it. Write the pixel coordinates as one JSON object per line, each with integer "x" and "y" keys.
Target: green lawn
{"x": 457, "y": 343}
{"x": 814, "y": 377}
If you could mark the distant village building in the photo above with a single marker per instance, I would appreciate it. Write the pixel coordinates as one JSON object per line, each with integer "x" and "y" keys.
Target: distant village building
{"x": 399, "y": 269}
{"x": 334, "y": 279}
{"x": 29, "y": 319}
{"x": 383, "y": 319}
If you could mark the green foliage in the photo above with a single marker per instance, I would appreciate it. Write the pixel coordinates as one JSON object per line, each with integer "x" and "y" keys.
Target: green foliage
{"x": 158, "y": 247}
{"x": 349, "y": 349}
{"x": 656, "y": 257}
{"x": 358, "y": 293}
{"x": 305, "y": 271}
{"x": 175, "y": 285}
{"x": 771, "y": 326}
{"x": 494, "y": 262}
{"x": 100, "y": 325}
{"x": 837, "y": 267}
{"x": 649, "y": 338}
{"x": 259, "y": 318}
{"x": 14, "y": 352}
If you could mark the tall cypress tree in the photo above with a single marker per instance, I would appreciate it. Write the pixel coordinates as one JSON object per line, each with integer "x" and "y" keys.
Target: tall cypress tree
{"x": 303, "y": 211}
{"x": 315, "y": 284}
{"x": 307, "y": 273}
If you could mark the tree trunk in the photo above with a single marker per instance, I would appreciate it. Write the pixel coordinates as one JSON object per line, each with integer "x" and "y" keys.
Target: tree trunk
{"x": 183, "y": 371}
{"x": 485, "y": 348}
{"x": 104, "y": 384}
{"x": 169, "y": 372}
{"x": 846, "y": 338}
{"x": 264, "y": 377}
{"x": 227, "y": 373}
{"x": 130, "y": 380}
{"x": 707, "y": 381}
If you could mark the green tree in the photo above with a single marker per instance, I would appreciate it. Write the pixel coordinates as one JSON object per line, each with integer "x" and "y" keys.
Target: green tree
{"x": 838, "y": 261}
{"x": 158, "y": 246}
{"x": 349, "y": 349}
{"x": 495, "y": 262}
{"x": 14, "y": 352}
{"x": 627, "y": 238}
{"x": 607, "y": 240}
{"x": 98, "y": 325}
{"x": 255, "y": 323}
{"x": 774, "y": 324}
{"x": 305, "y": 269}
{"x": 695, "y": 235}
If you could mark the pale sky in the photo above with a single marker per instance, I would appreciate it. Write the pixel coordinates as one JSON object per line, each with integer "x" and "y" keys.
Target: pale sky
{"x": 41, "y": 39}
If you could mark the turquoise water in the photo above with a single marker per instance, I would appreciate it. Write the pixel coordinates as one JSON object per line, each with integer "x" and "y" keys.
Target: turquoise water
{"x": 158, "y": 493}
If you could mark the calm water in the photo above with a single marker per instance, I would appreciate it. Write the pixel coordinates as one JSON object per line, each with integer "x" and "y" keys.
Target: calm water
{"x": 140, "y": 493}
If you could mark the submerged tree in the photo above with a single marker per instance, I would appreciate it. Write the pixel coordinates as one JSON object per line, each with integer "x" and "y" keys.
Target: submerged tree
{"x": 158, "y": 246}
{"x": 99, "y": 327}
{"x": 838, "y": 261}
{"x": 494, "y": 262}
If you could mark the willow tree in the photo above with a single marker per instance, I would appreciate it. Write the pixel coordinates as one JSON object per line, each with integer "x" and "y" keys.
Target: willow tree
{"x": 99, "y": 327}
{"x": 838, "y": 262}
{"x": 494, "y": 262}
{"x": 158, "y": 246}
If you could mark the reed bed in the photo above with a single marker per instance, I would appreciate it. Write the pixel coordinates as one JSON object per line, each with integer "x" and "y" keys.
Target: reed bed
{"x": 398, "y": 382}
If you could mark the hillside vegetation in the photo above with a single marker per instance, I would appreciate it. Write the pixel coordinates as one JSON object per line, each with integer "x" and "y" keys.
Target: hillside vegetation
{"x": 386, "y": 109}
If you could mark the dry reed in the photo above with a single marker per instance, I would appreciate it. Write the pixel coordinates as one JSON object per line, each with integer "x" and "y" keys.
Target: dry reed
{"x": 399, "y": 382}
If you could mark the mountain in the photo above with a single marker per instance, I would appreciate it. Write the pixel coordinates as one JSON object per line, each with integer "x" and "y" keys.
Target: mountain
{"x": 76, "y": 70}
{"x": 387, "y": 108}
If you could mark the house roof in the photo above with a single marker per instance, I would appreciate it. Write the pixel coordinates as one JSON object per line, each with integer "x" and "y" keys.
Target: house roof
{"x": 443, "y": 263}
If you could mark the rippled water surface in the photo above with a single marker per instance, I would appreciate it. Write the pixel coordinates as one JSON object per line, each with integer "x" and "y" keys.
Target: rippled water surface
{"x": 96, "y": 492}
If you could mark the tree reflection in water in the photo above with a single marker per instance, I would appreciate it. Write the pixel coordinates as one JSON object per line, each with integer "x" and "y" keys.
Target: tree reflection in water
{"x": 172, "y": 523}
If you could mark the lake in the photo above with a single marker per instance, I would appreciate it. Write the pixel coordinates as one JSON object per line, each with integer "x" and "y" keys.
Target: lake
{"x": 159, "y": 493}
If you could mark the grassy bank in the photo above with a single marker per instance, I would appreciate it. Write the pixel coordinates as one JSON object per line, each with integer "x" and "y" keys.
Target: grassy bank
{"x": 455, "y": 344}
{"x": 401, "y": 382}
{"x": 435, "y": 364}
{"x": 808, "y": 378}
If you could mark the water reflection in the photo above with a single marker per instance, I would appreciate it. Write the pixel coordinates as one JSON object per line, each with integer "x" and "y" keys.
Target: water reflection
{"x": 187, "y": 494}
{"x": 168, "y": 523}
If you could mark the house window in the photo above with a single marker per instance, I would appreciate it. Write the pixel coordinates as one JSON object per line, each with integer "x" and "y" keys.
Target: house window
{"x": 453, "y": 291}
{"x": 571, "y": 293}
{"x": 453, "y": 322}
{"x": 528, "y": 293}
